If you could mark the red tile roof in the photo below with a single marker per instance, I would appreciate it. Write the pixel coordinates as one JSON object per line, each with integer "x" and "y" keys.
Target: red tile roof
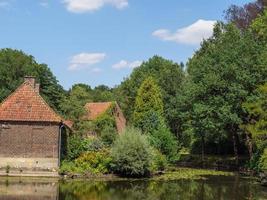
{"x": 68, "y": 123}
{"x": 25, "y": 104}
{"x": 96, "y": 109}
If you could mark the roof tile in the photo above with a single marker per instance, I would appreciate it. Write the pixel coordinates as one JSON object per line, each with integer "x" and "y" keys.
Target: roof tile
{"x": 25, "y": 104}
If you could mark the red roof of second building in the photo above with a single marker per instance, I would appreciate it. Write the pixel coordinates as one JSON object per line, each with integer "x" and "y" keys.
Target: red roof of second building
{"x": 96, "y": 109}
{"x": 25, "y": 104}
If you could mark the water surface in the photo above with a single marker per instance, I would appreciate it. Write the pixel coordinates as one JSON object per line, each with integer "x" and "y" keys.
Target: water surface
{"x": 217, "y": 187}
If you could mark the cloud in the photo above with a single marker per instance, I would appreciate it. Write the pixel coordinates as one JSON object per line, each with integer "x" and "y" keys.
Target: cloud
{"x": 85, "y": 60}
{"x": 125, "y": 64}
{"x": 191, "y": 35}
{"x": 82, "y": 6}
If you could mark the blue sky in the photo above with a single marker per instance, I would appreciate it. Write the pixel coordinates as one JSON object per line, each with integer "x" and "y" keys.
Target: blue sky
{"x": 101, "y": 41}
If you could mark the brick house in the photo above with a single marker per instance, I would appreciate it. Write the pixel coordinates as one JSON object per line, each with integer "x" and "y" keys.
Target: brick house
{"x": 94, "y": 110}
{"x": 30, "y": 131}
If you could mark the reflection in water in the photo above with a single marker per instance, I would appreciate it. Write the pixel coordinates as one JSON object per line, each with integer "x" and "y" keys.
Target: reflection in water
{"x": 232, "y": 188}
{"x": 28, "y": 189}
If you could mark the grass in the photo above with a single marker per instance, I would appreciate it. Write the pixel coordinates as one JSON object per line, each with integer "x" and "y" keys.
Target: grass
{"x": 192, "y": 174}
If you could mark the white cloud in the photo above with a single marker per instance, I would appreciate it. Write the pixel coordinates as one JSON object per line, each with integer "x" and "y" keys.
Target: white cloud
{"x": 125, "y": 64}
{"x": 82, "y": 6}
{"x": 192, "y": 34}
{"x": 85, "y": 60}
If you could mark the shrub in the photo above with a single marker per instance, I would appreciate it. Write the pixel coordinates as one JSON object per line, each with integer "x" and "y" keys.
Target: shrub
{"x": 163, "y": 140}
{"x": 263, "y": 160}
{"x": 78, "y": 145}
{"x": 131, "y": 154}
{"x": 108, "y": 136}
{"x": 94, "y": 144}
{"x": 159, "y": 161}
{"x": 93, "y": 162}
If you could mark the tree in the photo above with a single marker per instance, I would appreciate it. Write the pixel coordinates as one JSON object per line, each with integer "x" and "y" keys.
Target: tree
{"x": 148, "y": 116}
{"x": 15, "y": 64}
{"x": 148, "y": 110}
{"x": 259, "y": 27}
{"x": 73, "y": 108}
{"x": 103, "y": 93}
{"x": 243, "y": 16}
{"x": 168, "y": 75}
{"x": 221, "y": 75}
{"x": 256, "y": 106}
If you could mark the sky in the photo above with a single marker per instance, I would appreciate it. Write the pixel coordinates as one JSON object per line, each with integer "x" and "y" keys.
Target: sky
{"x": 102, "y": 41}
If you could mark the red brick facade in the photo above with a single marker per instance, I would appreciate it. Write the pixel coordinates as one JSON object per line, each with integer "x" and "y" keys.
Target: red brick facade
{"x": 29, "y": 140}
{"x": 30, "y": 135}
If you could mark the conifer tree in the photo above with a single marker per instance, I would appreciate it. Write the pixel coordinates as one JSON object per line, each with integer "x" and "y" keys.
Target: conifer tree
{"x": 148, "y": 112}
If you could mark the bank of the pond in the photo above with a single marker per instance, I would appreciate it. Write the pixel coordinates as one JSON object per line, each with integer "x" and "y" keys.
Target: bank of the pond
{"x": 170, "y": 174}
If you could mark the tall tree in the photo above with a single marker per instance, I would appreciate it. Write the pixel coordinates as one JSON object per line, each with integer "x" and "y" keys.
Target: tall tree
{"x": 167, "y": 74}
{"x": 148, "y": 116}
{"x": 148, "y": 110}
{"x": 222, "y": 74}
{"x": 243, "y": 16}
{"x": 256, "y": 106}
{"x": 15, "y": 64}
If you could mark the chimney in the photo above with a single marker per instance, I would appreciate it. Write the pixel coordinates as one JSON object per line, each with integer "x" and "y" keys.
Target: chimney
{"x": 30, "y": 80}
{"x": 37, "y": 88}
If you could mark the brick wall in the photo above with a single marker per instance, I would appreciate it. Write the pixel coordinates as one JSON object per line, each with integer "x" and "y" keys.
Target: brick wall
{"x": 120, "y": 119}
{"x": 29, "y": 140}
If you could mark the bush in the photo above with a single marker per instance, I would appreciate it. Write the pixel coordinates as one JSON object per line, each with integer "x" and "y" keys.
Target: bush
{"x": 263, "y": 160}
{"x": 159, "y": 161}
{"x": 131, "y": 154}
{"x": 78, "y": 145}
{"x": 163, "y": 140}
{"x": 108, "y": 136}
{"x": 94, "y": 144}
{"x": 93, "y": 162}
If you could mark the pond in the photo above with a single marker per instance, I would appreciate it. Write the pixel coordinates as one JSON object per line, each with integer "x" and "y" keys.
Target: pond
{"x": 216, "y": 187}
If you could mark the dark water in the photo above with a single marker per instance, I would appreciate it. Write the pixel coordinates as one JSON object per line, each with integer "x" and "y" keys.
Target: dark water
{"x": 215, "y": 188}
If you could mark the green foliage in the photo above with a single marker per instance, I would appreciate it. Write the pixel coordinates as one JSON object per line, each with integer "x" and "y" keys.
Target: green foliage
{"x": 259, "y": 26}
{"x": 95, "y": 161}
{"x": 92, "y": 162}
{"x": 78, "y": 145}
{"x": 221, "y": 75}
{"x": 15, "y": 65}
{"x": 148, "y": 108}
{"x": 159, "y": 162}
{"x": 108, "y": 135}
{"x": 103, "y": 93}
{"x": 105, "y": 120}
{"x": 131, "y": 154}
{"x": 263, "y": 160}
{"x": 163, "y": 140}
{"x": 73, "y": 104}
{"x": 256, "y": 106}
{"x": 167, "y": 74}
